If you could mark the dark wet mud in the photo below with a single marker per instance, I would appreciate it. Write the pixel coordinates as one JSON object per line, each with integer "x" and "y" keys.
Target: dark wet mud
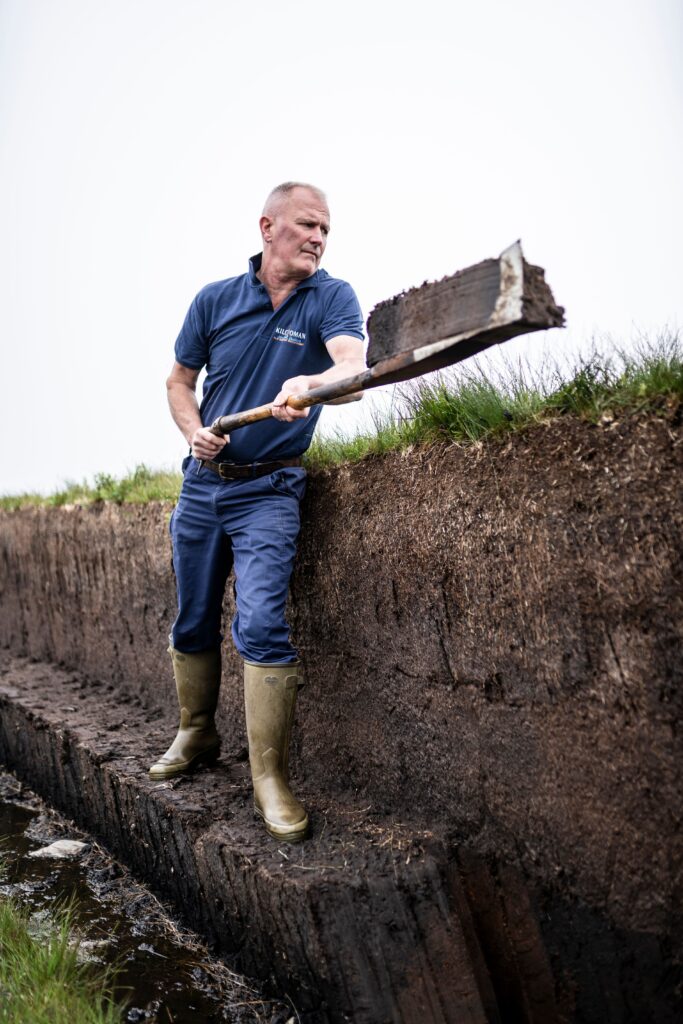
{"x": 164, "y": 973}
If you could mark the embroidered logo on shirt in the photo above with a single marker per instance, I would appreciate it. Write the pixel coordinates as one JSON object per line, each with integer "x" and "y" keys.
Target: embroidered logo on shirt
{"x": 289, "y": 335}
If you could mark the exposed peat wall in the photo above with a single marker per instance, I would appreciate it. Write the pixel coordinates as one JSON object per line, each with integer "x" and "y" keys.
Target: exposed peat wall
{"x": 492, "y": 640}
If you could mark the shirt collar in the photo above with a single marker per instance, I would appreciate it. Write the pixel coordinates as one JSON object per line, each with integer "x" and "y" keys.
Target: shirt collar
{"x": 255, "y": 266}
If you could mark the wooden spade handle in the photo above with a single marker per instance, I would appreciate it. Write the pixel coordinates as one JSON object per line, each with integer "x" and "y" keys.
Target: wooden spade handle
{"x": 317, "y": 396}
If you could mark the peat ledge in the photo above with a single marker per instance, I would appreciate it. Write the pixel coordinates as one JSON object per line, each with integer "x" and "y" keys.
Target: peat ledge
{"x": 489, "y": 737}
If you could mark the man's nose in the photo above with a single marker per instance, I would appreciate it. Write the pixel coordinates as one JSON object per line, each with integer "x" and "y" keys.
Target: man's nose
{"x": 316, "y": 236}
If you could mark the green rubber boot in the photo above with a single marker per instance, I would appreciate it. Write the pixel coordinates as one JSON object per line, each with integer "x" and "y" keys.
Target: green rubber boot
{"x": 197, "y": 680}
{"x": 269, "y": 700}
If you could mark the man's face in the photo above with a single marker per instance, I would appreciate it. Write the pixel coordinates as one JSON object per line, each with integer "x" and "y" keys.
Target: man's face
{"x": 297, "y": 231}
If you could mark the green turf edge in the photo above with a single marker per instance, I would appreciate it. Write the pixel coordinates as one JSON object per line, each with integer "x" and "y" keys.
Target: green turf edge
{"x": 463, "y": 405}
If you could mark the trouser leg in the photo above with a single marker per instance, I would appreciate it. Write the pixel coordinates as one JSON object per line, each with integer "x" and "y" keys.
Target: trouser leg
{"x": 202, "y": 559}
{"x": 263, "y": 525}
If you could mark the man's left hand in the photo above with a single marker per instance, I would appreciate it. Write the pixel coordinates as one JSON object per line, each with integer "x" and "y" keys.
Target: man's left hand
{"x": 293, "y": 386}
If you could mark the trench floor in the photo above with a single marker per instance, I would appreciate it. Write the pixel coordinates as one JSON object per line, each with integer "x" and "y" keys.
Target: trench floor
{"x": 164, "y": 972}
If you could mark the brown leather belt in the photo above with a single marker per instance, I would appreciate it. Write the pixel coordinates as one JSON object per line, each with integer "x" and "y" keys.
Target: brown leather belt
{"x": 234, "y": 471}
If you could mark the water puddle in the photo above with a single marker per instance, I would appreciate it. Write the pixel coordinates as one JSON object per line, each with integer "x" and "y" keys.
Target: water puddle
{"x": 164, "y": 973}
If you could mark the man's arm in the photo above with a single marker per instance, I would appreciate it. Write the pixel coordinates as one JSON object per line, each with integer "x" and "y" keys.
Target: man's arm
{"x": 182, "y": 399}
{"x": 347, "y": 353}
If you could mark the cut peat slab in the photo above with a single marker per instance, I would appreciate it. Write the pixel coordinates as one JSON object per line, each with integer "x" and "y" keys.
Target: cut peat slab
{"x": 447, "y": 321}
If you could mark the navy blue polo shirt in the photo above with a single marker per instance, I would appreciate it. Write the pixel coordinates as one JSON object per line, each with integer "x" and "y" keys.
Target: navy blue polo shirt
{"x": 249, "y": 349}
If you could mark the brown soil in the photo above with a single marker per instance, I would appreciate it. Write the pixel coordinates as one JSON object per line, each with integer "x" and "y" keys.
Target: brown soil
{"x": 492, "y": 642}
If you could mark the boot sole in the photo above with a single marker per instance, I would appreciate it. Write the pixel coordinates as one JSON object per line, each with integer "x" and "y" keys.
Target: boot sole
{"x": 208, "y": 757}
{"x": 293, "y": 836}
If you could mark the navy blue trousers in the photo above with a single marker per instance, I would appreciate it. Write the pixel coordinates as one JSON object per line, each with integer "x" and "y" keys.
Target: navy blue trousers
{"x": 250, "y": 525}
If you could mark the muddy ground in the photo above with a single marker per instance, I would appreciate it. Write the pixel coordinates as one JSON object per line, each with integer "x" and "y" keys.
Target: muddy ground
{"x": 163, "y": 973}
{"x": 492, "y": 641}
{"x": 357, "y": 924}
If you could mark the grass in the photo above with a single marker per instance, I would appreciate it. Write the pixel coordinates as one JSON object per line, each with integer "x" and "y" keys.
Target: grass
{"x": 470, "y": 404}
{"x": 42, "y": 981}
{"x": 140, "y": 486}
{"x": 461, "y": 405}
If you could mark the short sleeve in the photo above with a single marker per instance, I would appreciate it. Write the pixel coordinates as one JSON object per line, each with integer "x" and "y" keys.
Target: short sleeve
{"x": 192, "y": 347}
{"x": 342, "y": 314}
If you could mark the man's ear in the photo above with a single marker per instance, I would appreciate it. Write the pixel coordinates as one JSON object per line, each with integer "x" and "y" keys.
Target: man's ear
{"x": 266, "y": 226}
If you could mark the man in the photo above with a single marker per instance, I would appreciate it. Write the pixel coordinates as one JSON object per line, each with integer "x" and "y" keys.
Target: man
{"x": 282, "y": 328}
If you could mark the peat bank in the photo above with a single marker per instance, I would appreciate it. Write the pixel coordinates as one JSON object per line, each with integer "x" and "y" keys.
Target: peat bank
{"x": 488, "y": 741}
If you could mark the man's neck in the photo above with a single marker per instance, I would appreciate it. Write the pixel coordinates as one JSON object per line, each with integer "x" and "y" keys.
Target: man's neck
{"x": 278, "y": 285}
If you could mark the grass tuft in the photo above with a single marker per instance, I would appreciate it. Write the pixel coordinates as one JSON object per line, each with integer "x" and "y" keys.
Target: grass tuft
{"x": 42, "y": 981}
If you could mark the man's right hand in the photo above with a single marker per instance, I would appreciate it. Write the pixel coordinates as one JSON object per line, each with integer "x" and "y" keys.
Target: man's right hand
{"x": 205, "y": 445}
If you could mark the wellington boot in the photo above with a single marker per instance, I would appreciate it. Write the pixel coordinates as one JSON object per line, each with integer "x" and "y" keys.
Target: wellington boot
{"x": 197, "y": 680}
{"x": 269, "y": 699}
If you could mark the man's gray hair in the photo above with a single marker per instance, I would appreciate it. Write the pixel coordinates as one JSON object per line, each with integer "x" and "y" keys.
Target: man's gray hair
{"x": 283, "y": 190}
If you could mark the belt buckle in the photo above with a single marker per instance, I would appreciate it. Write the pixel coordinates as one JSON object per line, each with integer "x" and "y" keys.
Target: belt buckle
{"x": 223, "y": 473}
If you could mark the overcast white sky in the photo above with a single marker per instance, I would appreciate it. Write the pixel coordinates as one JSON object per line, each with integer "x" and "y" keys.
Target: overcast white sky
{"x": 138, "y": 139}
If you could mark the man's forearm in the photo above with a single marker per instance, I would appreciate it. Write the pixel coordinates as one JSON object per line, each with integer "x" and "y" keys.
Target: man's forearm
{"x": 182, "y": 401}
{"x": 340, "y": 371}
